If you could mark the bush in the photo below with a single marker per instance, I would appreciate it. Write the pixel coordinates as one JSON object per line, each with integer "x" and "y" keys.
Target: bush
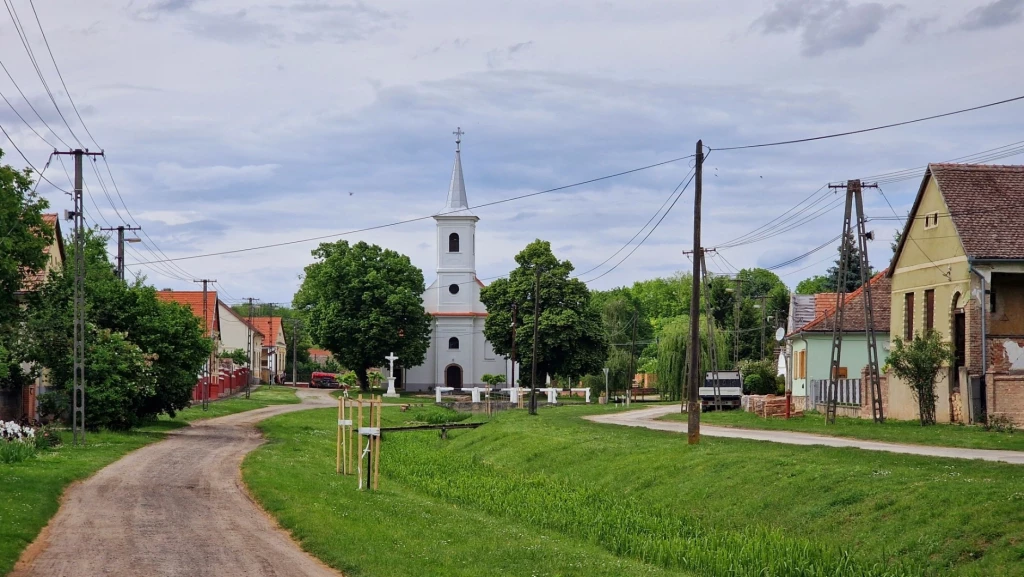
{"x": 437, "y": 416}
{"x": 17, "y": 443}
{"x": 760, "y": 377}
{"x": 918, "y": 363}
{"x": 999, "y": 424}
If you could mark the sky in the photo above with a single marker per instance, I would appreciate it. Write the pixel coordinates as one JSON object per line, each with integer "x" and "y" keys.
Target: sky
{"x": 232, "y": 124}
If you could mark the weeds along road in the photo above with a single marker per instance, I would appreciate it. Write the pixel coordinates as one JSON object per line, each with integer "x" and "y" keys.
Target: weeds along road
{"x": 175, "y": 508}
{"x": 648, "y": 418}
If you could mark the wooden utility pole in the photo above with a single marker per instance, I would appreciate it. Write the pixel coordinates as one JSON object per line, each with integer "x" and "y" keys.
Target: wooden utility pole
{"x": 736, "y": 322}
{"x": 632, "y": 366}
{"x": 78, "y": 214}
{"x": 252, "y": 352}
{"x": 764, "y": 303}
{"x": 295, "y": 348}
{"x": 533, "y": 360}
{"x": 209, "y": 332}
{"x": 693, "y": 395}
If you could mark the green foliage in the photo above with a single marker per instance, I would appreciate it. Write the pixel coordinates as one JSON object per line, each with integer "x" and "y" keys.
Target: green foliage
{"x": 999, "y": 424}
{"x": 852, "y": 281}
{"x": 571, "y": 339}
{"x": 349, "y": 379}
{"x": 375, "y": 378}
{"x": 23, "y": 238}
{"x": 815, "y": 285}
{"x": 759, "y": 377}
{"x": 16, "y": 451}
{"x": 126, "y": 319}
{"x": 237, "y": 356}
{"x": 673, "y": 356}
{"x": 436, "y": 416}
{"x": 362, "y": 302}
{"x": 493, "y": 380}
{"x": 918, "y": 363}
{"x": 664, "y": 297}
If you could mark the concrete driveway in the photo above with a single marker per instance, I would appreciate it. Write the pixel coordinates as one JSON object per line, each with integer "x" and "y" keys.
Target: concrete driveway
{"x": 647, "y": 418}
{"x": 176, "y": 508}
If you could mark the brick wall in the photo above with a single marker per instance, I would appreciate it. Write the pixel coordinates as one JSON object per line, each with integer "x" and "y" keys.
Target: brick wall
{"x": 865, "y": 394}
{"x": 1005, "y": 395}
{"x": 972, "y": 314}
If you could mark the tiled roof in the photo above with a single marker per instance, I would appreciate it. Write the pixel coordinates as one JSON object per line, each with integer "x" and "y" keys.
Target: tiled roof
{"x": 824, "y": 302}
{"x": 853, "y": 308}
{"x": 269, "y": 326}
{"x": 801, "y": 310}
{"x": 194, "y": 301}
{"x": 987, "y": 205}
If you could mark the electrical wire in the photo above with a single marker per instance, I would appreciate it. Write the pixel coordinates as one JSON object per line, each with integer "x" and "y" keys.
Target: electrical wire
{"x": 420, "y": 218}
{"x": 29, "y": 162}
{"x": 872, "y": 129}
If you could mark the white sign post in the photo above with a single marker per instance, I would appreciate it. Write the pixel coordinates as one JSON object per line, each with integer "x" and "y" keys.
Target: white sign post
{"x": 391, "y": 358}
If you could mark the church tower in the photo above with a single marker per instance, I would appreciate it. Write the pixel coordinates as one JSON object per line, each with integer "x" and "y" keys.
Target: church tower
{"x": 456, "y": 245}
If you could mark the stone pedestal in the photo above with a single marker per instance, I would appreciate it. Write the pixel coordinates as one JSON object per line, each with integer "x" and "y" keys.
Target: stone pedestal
{"x": 391, "y": 388}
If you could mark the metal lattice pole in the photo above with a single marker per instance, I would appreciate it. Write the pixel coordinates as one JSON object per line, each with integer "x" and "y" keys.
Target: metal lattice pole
{"x": 78, "y": 393}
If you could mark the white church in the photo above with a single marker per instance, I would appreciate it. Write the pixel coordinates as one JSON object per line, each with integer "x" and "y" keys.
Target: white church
{"x": 458, "y": 355}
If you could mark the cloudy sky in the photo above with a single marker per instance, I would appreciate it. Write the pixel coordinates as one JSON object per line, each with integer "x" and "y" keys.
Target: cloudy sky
{"x": 232, "y": 124}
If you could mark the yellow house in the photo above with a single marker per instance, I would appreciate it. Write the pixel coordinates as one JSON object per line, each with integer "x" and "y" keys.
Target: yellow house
{"x": 959, "y": 270}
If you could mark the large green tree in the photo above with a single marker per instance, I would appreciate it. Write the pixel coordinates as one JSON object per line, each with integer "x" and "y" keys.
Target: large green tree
{"x": 571, "y": 339}
{"x": 23, "y": 239}
{"x": 122, "y": 321}
{"x": 361, "y": 302}
{"x": 814, "y": 285}
{"x": 852, "y": 279}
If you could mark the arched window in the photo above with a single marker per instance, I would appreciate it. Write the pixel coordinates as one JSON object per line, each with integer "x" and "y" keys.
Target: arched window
{"x": 453, "y": 242}
{"x": 453, "y": 344}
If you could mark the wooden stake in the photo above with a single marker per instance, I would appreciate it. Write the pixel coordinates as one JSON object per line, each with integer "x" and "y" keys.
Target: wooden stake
{"x": 341, "y": 431}
{"x": 376, "y": 445}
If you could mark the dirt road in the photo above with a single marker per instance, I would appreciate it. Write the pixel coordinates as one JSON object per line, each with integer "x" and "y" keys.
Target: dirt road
{"x": 173, "y": 508}
{"x": 647, "y": 418}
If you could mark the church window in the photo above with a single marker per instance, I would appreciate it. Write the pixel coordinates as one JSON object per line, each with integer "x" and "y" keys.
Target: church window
{"x": 453, "y": 344}
{"x": 453, "y": 288}
{"x": 453, "y": 242}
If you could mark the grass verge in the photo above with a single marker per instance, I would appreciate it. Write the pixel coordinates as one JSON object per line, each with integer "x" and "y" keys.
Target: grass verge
{"x": 940, "y": 435}
{"x": 30, "y": 490}
{"x": 639, "y": 501}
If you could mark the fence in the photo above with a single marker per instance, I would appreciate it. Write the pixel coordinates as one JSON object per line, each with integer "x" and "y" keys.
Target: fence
{"x": 848, "y": 393}
{"x": 230, "y": 381}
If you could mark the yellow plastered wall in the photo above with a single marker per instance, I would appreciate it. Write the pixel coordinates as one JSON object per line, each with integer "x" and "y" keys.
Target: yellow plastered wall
{"x": 933, "y": 257}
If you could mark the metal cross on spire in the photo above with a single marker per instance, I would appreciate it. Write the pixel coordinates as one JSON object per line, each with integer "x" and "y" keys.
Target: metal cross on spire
{"x": 458, "y": 138}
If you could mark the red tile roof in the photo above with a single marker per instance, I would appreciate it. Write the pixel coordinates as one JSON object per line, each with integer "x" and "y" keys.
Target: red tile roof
{"x": 987, "y": 205}
{"x": 853, "y": 308}
{"x": 270, "y": 327}
{"x": 194, "y": 301}
{"x": 824, "y": 302}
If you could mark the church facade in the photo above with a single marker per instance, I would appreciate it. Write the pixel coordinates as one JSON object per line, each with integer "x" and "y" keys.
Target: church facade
{"x": 458, "y": 355}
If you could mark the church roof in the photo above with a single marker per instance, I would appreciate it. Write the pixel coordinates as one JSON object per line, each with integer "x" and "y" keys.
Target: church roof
{"x": 458, "y": 204}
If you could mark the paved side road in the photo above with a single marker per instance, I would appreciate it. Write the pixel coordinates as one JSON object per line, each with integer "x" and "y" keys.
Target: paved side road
{"x": 647, "y": 418}
{"x": 174, "y": 508}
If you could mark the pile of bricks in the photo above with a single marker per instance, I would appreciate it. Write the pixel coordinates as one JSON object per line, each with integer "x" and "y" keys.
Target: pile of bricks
{"x": 766, "y": 406}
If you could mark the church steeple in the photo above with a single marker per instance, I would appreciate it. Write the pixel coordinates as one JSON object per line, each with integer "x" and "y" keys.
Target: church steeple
{"x": 457, "y": 190}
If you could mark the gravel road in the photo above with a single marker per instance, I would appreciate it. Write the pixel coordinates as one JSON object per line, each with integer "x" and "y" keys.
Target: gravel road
{"x": 176, "y": 507}
{"x": 648, "y": 418}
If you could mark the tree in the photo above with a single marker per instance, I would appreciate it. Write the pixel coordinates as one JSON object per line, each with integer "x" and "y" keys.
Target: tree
{"x": 759, "y": 377}
{"x": 673, "y": 355}
{"x": 493, "y": 380}
{"x": 237, "y": 356}
{"x": 571, "y": 338}
{"x": 852, "y": 279}
{"x": 918, "y": 363}
{"x": 814, "y": 285}
{"x": 167, "y": 335}
{"x": 24, "y": 236}
{"x": 362, "y": 302}
{"x": 663, "y": 297}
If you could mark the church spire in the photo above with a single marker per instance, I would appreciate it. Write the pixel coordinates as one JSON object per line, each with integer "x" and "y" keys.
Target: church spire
{"x": 457, "y": 191}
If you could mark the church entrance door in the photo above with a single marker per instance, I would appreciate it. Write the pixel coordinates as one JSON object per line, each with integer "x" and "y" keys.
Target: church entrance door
{"x": 453, "y": 376}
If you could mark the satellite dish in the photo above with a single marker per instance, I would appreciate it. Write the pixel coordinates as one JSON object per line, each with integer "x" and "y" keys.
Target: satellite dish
{"x": 781, "y": 332}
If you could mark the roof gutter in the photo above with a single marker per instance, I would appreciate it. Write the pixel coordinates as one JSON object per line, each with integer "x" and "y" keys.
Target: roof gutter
{"x": 984, "y": 331}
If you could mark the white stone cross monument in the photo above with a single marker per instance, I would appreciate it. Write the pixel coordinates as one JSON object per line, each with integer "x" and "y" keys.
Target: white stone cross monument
{"x": 391, "y": 358}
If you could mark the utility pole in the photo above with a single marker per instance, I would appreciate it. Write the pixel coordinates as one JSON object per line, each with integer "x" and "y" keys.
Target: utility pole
{"x": 512, "y": 384}
{"x": 533, "y": 360}
{"x": 693, "y": 398}
{"x": 272, "y": 367}
{"x": 764, "y": 312}
{"x": 736, "y": 322}
{"x": 120, "y": 245}
{"x": 252, "y": 351}
{"x": 295, "y": 348}
{"x": 854, "y": 198}
{"x": 209, "y": 332}
{"x": 78, "y": 214}
{"x": 709, "y": 319}
{"x": 632, "y": 367}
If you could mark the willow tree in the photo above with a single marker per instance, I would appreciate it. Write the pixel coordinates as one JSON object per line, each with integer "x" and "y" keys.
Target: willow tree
{"x": 673, "y": 352}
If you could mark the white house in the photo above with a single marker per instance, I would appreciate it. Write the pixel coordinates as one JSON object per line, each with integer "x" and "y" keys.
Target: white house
{"x": 458, "y": 354}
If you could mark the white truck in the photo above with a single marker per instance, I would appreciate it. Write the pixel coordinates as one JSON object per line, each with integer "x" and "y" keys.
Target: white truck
{"x": 730, "y": 389}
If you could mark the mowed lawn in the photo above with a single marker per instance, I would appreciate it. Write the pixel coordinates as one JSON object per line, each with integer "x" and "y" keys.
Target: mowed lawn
{"x": 557, "y": 495}
{"x": 30, "y": 491}
{"x": 910, "y": 432}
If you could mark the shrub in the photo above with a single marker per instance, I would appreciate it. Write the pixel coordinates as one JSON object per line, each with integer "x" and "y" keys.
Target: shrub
{"x": 437, "y": 416}
{"x": 17, "y": 443}
{"x": 759, "y": 377}
{"x": 999, "y": 424}
{"x": 918, "y": 363}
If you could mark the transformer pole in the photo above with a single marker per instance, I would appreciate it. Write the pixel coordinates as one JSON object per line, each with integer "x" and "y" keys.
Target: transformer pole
{"x": 693, "y": 400}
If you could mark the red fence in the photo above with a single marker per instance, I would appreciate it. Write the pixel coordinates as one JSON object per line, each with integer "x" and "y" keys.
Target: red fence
{"x": 228, "y": 382}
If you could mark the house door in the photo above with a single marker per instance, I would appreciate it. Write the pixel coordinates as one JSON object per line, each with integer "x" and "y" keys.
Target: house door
{"x": 453, "y": 376}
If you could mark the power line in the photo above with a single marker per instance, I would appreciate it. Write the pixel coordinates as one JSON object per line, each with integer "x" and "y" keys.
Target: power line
{"x": 872, "y": 129}
{"x": 29, "y": 162}
{"x": 33, "y": 108}
{"x": 417, "y": 219}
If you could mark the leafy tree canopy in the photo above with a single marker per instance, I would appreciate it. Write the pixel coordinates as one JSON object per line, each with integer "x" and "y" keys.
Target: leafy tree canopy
{"x": 815, "y": 285}
{"x": 852, "y": 278}
{"x": 571, "y": 339}
{"x": 361, "y": 302}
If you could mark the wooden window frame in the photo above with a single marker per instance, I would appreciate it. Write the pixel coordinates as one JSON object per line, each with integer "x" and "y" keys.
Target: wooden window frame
{"x": 908, "y": 313}
{"x": 929, "y": 309}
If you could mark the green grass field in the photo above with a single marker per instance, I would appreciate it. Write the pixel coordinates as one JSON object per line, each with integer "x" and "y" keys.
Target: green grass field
{"x": 970, "y": 437}
{"x": 591, "y": 499}
{"x": 30, "y": 491}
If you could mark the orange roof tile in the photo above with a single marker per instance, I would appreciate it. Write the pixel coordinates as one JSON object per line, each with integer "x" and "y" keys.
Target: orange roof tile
{"x": 194, "y": 301}
{"x": 853, "y": 316}
{"x": 269, "y": 326}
